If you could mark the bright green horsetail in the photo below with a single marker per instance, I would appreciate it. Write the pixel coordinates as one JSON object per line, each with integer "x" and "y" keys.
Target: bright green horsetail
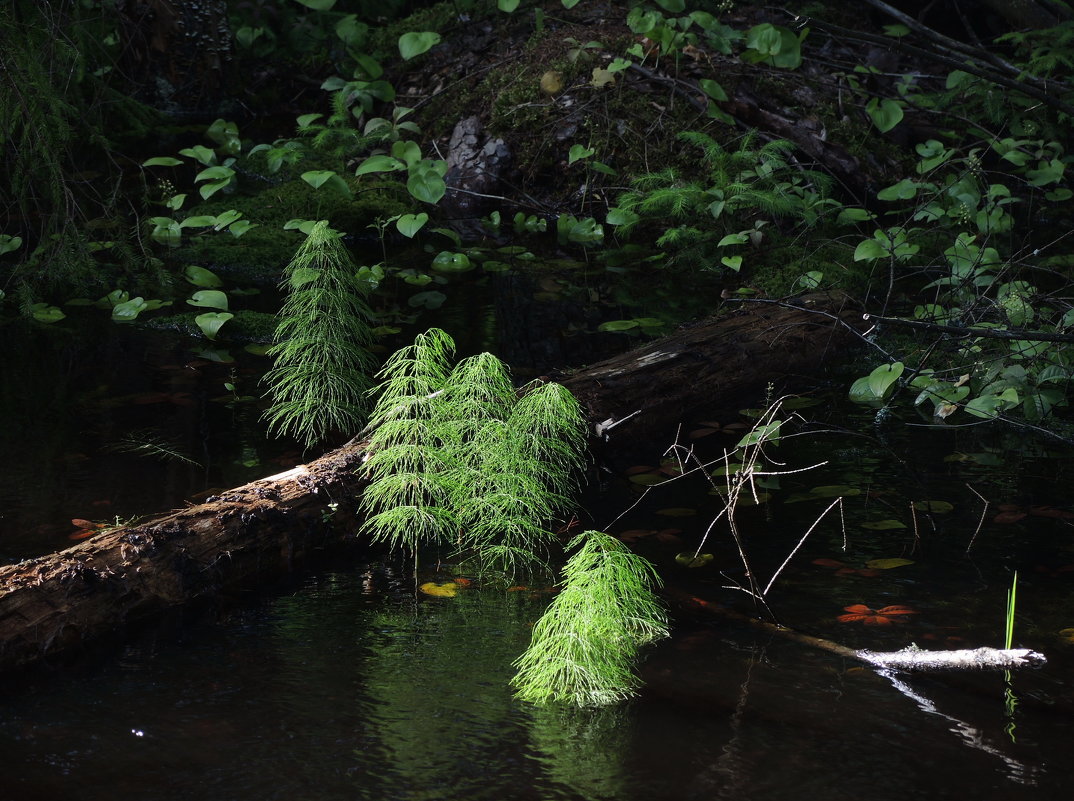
{"x": 585, "y": 645}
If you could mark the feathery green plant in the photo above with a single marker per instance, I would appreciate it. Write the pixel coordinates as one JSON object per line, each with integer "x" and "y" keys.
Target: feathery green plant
{"x": 585, "y": 644}
{"x": 459, "y": 455}
{"x": 320, "y": 378}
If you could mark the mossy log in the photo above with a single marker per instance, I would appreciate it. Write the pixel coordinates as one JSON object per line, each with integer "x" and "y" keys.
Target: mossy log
{"x": 53, "y": 605}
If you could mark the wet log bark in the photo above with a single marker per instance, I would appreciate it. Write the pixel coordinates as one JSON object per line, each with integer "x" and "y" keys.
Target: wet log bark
{"x": 53, "y": 605}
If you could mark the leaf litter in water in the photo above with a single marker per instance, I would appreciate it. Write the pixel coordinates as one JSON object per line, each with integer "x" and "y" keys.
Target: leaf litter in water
{"x": 886, "y": 616}
{"x": 447, "y": 590}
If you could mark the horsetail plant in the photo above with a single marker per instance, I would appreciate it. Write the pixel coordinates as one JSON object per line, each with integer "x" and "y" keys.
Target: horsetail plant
{"x": 459, "y": 455}
{"x": 585, "y": 645}
{"x": 322, "y": 361}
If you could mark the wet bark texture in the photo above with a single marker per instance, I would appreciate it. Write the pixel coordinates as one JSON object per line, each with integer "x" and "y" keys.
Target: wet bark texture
{"x": 52, "y": 605}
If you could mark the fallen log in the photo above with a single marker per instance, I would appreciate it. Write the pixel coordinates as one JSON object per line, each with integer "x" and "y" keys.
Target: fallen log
{"x": 52, "y": 605}
{"x": 910, "y": 659}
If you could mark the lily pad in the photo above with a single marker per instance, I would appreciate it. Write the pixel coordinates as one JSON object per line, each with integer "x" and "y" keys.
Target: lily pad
{"x": 677, "y": 511}
{"x": 883, "y": 525}
{"x": 935, "y": 507}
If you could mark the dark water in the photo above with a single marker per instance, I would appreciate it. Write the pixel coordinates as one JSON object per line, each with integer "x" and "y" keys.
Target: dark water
{"x": 347, "y": 685}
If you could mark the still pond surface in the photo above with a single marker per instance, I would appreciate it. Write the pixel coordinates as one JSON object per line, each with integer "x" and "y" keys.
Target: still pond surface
{"x": 345, "y": 684}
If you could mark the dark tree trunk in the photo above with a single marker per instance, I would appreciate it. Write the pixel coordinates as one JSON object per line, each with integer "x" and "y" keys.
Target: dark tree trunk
{"x": 54, "y": 604}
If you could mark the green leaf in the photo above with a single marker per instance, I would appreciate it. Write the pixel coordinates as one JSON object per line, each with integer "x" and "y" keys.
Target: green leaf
{"x": 415, "y": 43}
{"x": 409, "y": 224}
{"x": 9, "y": 244}
{"x": 618, "y": 325}
{"x": 883, "y": 378}
{"x": 208, "y": 190}
{"x": 869, "y": 249}
{"x": 225, "y": 219}
{"x": 883, "y": 525}
{"x": 426, "y": 184}
{"x": 200, "y": 153}
{"x": 766, "y": 433}
{"x": 618, "y": 216}
{"x": 448, "y": 262}
{"x": 507, "y": 5}
{"x": 200, "y": 221}
{"x": 903, "y": 190}
{"x": 578, "y": 152}
{"x": 379, "y": 164}
{"x": 687, "y": 559}
{"x": 329, "y": 178}
{"x": 430, "y": 299}
{"x": 199, "y": 276}
{"x": 44, "y": 313}
{"x": 834, "y": 491}
{"x": 713, "y": 89}
{"x": 885, "y": 114}
{"x": 318, "y": 5}
{"x": 934, "y": 507}
{"x": 674, "y": 6}
{"x": 162, "y": 161}
{"x": 211, "y": 322}
{"x": 209, "y": 298}
{"x": 731, "y": 262}
{"x": 305, "y": 120}
{"x": 129, "y": 310}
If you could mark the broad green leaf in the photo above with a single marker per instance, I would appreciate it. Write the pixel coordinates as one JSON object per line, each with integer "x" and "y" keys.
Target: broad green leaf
{"x": 834, "y": 491}
{"x": 379, "y": 164}
{"x": 903, "y": 190}
{"x": 883, "y": 525}
{"x": 767, "y": 433}
{"x": 733, "y": 239}
{"x": 426, "y": 184}
{"x": 45, "y": 313}
{"x": 200, "y": 221}
{"x": 869, "y": 249}
{"x": 851, "y": 215}
{"x": 209, "y": 189}
{"x": 162, "y": 161}
{"x": 448, "y": 262}
{"x": 885, "y": 114}
{"x": 329, "y": 179}
{"x": 430, "y": 299}
{"x": 9, "y": 243}
{"x": 199, "y": 276}
{"x": 305, "y": 120}
{"x": 318, "y": 5}
{"x": 732, "y": 262}
{"x": 205, "y": 155}
{"x": 409, "y": 224}
{"x": 415, "y": 43}
{"x": 211, "y": 322}
{"x": 578, "y": 152}
{"x": 507, "y": 5}
{"x": 712, "y": 89}
{"x": 618, "y": 325}
{"x": 209, "y": 298}
{"x": 618, "y": 216}
{"x": 129, "y": 310}
{"x": 883, "y": 378}
{"x": 225, "y": 219}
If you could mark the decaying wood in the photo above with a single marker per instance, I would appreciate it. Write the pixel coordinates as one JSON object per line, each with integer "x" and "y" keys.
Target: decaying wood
{"x": 52, "y": 604}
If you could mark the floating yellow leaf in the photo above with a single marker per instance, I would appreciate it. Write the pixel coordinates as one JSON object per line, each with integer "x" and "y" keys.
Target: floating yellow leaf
{"x": 887, "y": 564}
{"x": 446, "y": 590}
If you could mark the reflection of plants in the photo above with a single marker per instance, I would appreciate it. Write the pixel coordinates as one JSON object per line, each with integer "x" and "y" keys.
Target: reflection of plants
{"x": 321, "y": 353}
{"x": 458, "y": 456}
{"x": 584, "y": 646}
{"x": 149, "y": 443}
